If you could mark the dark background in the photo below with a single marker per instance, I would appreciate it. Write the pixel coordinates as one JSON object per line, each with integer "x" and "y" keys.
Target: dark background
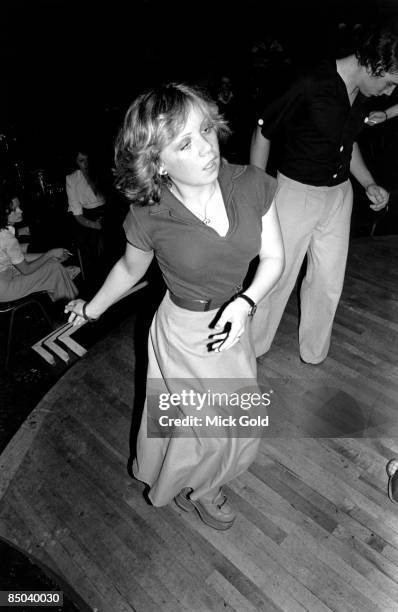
{"x": 71, "y": 67}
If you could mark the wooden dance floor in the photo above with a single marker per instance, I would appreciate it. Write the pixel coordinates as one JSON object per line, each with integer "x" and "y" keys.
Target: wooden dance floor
{"x": 315, "y": 529}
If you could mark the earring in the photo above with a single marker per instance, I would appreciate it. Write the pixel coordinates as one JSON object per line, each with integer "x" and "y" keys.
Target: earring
{"x": 162, "y": 172}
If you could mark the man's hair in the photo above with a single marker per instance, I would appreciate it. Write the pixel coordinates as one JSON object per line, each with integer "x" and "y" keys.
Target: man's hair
{"x": 377, "y": 47}
{"x": 152, "y": 121}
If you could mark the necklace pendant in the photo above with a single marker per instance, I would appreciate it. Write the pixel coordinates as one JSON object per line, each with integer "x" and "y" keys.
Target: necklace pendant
{"x": 206, "y": 220}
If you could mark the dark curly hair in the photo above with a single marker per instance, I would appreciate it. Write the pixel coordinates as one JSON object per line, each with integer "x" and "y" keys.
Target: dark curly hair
{"x": 377, "y": 47}
{"x": 152, "y": 121}
{"x": 5, "y": 204}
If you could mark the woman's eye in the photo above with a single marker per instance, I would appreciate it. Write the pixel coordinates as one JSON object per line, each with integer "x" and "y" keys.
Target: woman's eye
{"x": 208, "y": 128}
{"x": 185, "y": 145}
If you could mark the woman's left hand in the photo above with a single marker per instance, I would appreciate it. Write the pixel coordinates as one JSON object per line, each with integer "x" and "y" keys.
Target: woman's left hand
{"x": 235, "y": 317}
{"x": 75, "y": 308}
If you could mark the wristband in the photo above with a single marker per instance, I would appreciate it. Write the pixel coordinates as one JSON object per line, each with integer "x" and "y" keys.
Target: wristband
{"x": 385, "y": 112}
{"x": 85, "y": 315}
{"x": 252, "y": 304}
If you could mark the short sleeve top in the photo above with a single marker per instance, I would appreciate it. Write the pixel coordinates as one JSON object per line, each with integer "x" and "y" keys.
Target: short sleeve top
{"x": 80, "y": 194}
{"x": 10, "y": 250}
{"x": 196, "y": 262}
{"x": 317, "y": 125}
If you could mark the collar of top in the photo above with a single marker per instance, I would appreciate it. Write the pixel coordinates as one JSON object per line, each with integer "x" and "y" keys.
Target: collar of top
{"x": 226, "y": 176}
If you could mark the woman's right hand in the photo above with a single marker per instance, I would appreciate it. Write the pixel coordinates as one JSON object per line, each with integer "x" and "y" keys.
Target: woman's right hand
{"x": 59, "y": 253}
{"x": 75, "y": 307}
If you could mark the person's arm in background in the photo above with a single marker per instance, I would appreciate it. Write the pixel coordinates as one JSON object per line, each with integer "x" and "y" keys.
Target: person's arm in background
{"x": 33, "y": 261}
{"x": 28, "y": 262}
{"x": 376, "y": 194}
{"x": 259, "y": 149}
{"x": 376, "y": 117}
{"x": 81, "y": 219}
{"x": 75, "y": 207}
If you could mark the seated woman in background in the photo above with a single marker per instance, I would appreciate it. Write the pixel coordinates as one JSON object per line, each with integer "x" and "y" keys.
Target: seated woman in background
{"x": 24, "y": 273}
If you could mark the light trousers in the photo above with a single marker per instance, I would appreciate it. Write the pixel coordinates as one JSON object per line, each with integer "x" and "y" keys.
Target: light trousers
{"x": 314, "y": 221}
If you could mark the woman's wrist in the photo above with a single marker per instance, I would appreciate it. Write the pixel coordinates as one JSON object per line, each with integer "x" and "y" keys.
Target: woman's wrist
{"x": 86, "y": 316}
{"x": 385, "y": 114}
{"x": 250, "y": 305}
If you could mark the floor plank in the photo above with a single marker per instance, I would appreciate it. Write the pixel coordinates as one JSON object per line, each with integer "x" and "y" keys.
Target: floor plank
{"x": 315, "y": 530}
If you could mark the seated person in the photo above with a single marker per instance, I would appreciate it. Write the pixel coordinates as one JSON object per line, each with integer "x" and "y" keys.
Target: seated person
{"x": 23, "y": 230}
{"x": 24, "y": 273}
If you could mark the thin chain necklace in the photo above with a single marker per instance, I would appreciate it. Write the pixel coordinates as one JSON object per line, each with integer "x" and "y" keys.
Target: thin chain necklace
{"x": 204, "y": 216}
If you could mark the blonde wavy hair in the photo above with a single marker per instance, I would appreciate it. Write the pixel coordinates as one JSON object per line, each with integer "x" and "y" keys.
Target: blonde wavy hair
{"x": 152, "y": 121}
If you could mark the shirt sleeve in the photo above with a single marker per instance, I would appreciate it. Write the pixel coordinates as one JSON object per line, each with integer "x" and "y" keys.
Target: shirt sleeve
{"x": 74, "y": 204}
{"x": 283, "y": 108}
{"x": 135, "y": 232}
{"x": 13, "y": 249}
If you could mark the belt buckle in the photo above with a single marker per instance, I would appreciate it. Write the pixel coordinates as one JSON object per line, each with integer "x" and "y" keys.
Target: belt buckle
{"x": 206, "y": 304}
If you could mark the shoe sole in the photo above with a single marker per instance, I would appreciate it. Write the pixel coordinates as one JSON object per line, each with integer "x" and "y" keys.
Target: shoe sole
{"x": 189, "y": 505}
{"x": 391, "y": 476}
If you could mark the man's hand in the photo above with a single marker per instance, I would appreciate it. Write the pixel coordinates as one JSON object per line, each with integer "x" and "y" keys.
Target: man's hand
{"x": 378, "y": 195}
{"x": 376, "y": 117}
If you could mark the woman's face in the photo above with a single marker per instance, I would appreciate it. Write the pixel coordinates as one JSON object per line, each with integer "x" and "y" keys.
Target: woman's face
{"x": 193, "y": 157}
{"x": 82, "y": 162}
{"x": 15, "y": 214}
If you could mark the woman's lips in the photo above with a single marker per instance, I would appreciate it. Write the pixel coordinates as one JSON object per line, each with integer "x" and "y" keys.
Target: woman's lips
{"x": 211, "y": 164}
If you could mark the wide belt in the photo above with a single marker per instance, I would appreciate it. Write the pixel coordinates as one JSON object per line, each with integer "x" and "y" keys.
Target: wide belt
{"x": 200, "y": 305}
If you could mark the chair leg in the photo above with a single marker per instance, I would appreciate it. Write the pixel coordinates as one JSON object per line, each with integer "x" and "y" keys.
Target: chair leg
{"x": 45, "y": 315}
{"x": 79, "y": 255}
{"x": 11, "y": 326}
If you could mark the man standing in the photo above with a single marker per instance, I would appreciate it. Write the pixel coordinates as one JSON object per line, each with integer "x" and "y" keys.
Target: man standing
{"x": 319, "y": 119}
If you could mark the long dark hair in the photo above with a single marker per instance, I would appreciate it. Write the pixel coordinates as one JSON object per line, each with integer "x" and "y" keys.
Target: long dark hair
{"x": 93, "y": 171}
{"x": 5, "y": 203}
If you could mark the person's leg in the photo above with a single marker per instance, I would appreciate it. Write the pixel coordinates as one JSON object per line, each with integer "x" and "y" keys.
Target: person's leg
{"x": 297, "y": 221}
{"x": 322, "y": 286}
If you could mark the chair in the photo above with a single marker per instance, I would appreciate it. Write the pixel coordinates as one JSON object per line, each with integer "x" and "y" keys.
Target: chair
{"x": 31, "y": 301}
{"x": 74, "y": 246}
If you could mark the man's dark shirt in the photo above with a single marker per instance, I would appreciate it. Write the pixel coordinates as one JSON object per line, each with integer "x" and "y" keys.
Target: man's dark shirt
{"x": 318, "y": 126}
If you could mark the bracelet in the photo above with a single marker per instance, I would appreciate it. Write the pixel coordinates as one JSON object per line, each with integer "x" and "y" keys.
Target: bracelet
{"x": 85, "y": 315}
{"x": 252, "y": 304}
{"x": 385, "y": 112}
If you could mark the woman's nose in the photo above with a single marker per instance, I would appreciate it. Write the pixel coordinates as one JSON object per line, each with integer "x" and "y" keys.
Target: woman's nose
{"x": 206, "y": 146}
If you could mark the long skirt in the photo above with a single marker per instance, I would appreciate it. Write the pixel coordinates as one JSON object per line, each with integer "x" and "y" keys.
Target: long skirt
{"x": 178, "y": 356}
{"x": 51, "y": 277}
